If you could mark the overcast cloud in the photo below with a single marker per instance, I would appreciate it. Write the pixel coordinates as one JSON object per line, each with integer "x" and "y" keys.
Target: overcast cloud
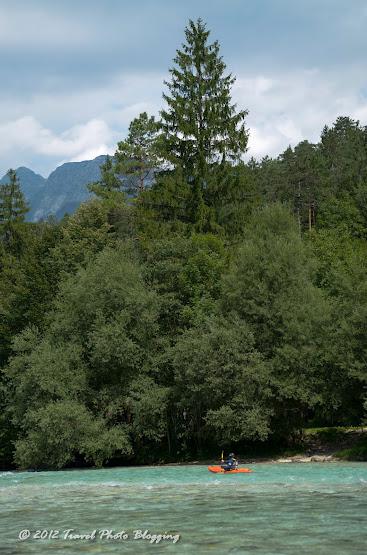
{"x": 74, "y": 74}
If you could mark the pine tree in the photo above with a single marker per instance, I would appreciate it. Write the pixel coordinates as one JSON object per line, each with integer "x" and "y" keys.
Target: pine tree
{"x": 136, "y": 157}
{"x": 200, "y": 126}
{"x": 109, "y": 181}
{"x": 13, "y": 208}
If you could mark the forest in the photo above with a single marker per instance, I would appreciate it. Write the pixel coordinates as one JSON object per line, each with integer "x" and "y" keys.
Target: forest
{"x": 223, "y": 307}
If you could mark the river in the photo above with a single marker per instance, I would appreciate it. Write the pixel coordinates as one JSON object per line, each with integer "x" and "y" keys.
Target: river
{"x": 318, "y": 509}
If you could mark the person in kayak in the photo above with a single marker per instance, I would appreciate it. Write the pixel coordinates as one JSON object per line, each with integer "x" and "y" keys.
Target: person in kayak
{"x": 231, "y": 463}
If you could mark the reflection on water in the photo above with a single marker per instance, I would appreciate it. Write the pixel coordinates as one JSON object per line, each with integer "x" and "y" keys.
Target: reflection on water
{"x": 279, "y": 509}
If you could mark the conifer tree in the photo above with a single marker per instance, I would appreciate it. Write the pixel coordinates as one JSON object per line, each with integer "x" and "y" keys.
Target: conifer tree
{"x": 109, "y": 182}
{"x": 13, "y": 207}
{"x": 136, "y": 157}
{"x": 201, "y": 126}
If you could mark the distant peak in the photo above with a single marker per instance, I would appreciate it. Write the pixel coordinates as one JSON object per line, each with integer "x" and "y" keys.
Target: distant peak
{"x": 24, "y": 169}
{"x": 98, "y": 159}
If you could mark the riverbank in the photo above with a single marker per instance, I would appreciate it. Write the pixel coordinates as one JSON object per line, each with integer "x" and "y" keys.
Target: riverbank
{"x": 326, "y": 445}
{"x": 316, "y": 445}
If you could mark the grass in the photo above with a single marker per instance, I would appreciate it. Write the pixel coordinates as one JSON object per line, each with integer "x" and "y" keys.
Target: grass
{"x": 331, "y": 430}
{"x": 326, "y": 435}
{"x": 352, "y": 441}
{"x": 356, "y": 453}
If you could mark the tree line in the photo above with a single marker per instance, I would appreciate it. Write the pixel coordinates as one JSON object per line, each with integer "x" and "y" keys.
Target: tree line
{"x": 197, "y": 301}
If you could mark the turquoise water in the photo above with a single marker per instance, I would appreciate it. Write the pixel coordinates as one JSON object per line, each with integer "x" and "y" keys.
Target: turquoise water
{"x": 318, "y": 509}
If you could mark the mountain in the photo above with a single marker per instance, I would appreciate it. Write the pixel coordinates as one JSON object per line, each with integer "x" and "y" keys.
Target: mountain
{"x": 62, "y": 192}
{"x": 66, "y": 188}
{"x": 31, "y": 183}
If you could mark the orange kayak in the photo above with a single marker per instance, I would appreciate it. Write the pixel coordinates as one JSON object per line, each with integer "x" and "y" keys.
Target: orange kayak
{"x": 220, "y": 470}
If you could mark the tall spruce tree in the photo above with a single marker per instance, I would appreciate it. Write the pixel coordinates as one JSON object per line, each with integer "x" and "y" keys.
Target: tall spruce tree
{"x": 13, "y": 208}
{"x": 201, "y": 127}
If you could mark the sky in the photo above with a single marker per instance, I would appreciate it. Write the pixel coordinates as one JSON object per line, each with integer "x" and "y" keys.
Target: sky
{"x": 75, "y": 73}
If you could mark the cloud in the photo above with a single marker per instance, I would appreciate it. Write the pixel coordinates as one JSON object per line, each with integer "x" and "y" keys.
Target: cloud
{"x": 73, "y": 77}
{"x": 49, "y": 133}
{"x": 79, "y": 142}
{"x": 284, "y": 108}
{"x": 288, "y": 107}
{"x": 116, "y": 100}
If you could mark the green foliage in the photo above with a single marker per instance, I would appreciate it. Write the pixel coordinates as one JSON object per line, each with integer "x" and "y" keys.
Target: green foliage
{"x": 137, "y": 156}
{"x": 343, "y": 214}
{"x": 57, "y": 370}
{"x": 200, "y": 126}
{"x": 12, "y": 204}
{"x": 13, "y": 209}
{"x": 325, "y": 435}
{"x": 270, "y": 278}
{"x": 323, "y": 184}
{"x": 232, "y": 194}
{"x": 344, "y": 149}
{"x": 225, "y": 306}
{"x": 61, "y": 430}
{"x": 27, "y": 282}
{"x": 187, "y": 274}
{"x": 168, "y": 200}
{"x": 87, "y": 232}
{"x": 109, "y": 182}
{"x": 221, "y": 382}
{"x": 356, "y": 453}
{"x": 148, "y": 405}
{"x": 99, "y": 338}
{"x": 342, "y": 273}
{"x": 270, "y": 286}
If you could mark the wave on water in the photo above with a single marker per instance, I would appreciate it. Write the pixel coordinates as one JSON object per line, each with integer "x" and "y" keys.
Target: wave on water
{"x": 264, "y": 480}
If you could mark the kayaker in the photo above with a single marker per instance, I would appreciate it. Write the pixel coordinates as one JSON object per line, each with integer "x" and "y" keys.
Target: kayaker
{"x": 231, "y": 462}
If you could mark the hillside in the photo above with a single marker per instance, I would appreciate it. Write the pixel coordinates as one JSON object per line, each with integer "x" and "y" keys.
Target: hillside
{"x": 32, "y": 183}
{"x": 62, "y": 192}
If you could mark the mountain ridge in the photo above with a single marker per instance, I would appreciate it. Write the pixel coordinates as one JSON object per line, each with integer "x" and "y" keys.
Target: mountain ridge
{"x": 62, "y": 191}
